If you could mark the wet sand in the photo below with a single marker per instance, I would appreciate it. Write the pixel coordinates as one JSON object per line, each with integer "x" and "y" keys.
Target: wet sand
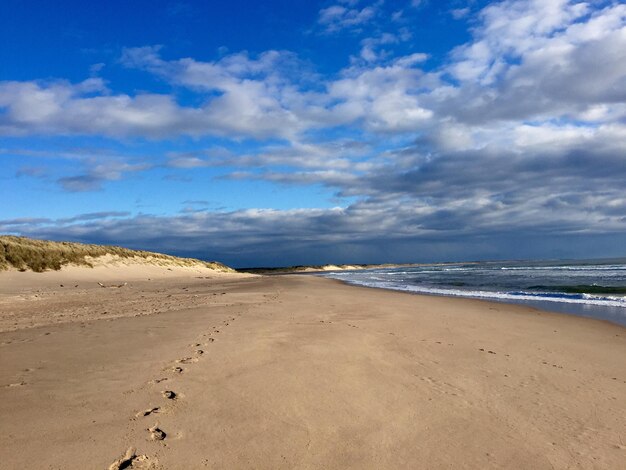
{"x": 297, "y": 372}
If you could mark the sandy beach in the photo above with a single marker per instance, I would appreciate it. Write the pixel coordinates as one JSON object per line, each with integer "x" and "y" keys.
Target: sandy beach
{"x": 184, "y": 369}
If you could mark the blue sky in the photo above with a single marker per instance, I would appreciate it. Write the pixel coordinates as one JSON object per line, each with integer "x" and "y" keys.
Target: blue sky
{"x": 287, "y": 132}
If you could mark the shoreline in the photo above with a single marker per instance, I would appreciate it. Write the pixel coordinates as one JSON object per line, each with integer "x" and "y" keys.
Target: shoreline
{"x": 303, "y": 372}
{"x": 487, "y": 302}
{"x": 540, "y": 305}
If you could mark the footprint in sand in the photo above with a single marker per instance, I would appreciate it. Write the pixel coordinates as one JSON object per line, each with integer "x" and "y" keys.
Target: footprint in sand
{"x": 187, "y": 360}
{"x": 483, "y": 350}
{"x": 129, "y": 460}
{"x": 170, "y": 395}
{"x": 17, "y": 384}
{"x": 178, "y": 370}
{"x": 156, "y": 433}
{"x": 443, "y": 387}
{"x": 147, "y": 412}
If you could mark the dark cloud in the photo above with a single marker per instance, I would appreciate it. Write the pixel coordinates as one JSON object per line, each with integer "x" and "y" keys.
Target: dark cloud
{"x": 359, "y": 234}
{"x": 32, "y": 171}
{"x": 93, "y": 216}
{"x": 178, "y": 178}
{"x": 81, "y": 183}
{"x": 196, "y": 202}
{"x": 31, "y": 223}
{"x": 98, "y": 172}
{"x": 12, "y": 224}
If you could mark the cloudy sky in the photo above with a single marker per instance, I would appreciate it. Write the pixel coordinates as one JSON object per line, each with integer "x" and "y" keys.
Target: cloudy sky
{"x": 293, "y": 131}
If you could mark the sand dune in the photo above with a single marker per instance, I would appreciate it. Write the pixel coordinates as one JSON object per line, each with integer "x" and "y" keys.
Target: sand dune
{"x": 29, "y": 254}
{"x": 234, "y": 371}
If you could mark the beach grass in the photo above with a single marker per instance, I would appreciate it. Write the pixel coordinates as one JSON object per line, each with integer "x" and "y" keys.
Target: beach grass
{"x": 25, "y": 254}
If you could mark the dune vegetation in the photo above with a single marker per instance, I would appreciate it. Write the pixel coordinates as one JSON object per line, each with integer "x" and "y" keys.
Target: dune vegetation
{"x": 42, "y": 255}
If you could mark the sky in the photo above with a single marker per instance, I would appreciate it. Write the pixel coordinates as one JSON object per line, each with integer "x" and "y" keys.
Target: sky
{"x": 300, "y": 132}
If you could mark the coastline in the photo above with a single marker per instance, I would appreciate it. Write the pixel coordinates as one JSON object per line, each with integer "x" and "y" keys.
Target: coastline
{"x": 591, "y": 288}
{"x": 555, "y": 307}
{"x": 304, "y": 372}
{"x": 487, "y": 302}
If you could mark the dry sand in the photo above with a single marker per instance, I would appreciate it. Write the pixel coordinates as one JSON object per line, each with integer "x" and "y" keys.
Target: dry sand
{"x": 297, "y": 372}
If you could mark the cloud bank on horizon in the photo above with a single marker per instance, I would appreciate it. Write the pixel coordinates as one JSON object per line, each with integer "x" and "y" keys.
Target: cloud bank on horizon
{"x": 377, "y": 131}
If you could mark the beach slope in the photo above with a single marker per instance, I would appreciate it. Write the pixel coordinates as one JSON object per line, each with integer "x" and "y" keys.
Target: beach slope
{"x": 189, "y": 370}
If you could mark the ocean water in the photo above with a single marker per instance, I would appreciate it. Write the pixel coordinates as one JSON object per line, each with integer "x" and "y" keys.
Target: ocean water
{"x": 594, "y": 288}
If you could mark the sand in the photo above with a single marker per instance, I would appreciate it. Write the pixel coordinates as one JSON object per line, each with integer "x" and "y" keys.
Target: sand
{"x": 202, "y": 370}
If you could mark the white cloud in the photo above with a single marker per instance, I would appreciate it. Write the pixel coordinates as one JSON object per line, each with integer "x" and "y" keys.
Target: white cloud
{"x": 542, "y": 60}
{"x": 372, "y": 49}
{"x": 459, "y": 13}
{"x": 529, "y": 60}
{"x": 65, "y": 108}
{"x": 264, "y": 97}
{"x": 384, "y": 95}
{"x": 511, "y": 29}
{"x": 337, "y": 17}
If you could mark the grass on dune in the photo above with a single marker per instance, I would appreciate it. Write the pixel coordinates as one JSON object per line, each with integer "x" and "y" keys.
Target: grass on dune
{"x": 41, "y": 255}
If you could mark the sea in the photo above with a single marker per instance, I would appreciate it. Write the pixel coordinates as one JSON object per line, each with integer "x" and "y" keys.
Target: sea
{"x": 590, "y": 288}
